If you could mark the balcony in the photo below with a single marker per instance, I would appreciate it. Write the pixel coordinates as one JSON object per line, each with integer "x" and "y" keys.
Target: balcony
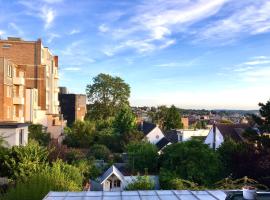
{"x": 18, "y": 100}
{"x": 18, "y": 81}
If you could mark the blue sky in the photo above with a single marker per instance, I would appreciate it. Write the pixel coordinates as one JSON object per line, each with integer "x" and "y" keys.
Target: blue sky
{"x": 190, "y": 53}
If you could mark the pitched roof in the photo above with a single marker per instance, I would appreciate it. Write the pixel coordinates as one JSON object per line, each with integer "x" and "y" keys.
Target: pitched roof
{"x": 146, "y": 127}
{"x": 232, "y": 131}
{"x": 172, "y": 136}
{"x": 162, "y": 143}
{"x": 109, "y": 172}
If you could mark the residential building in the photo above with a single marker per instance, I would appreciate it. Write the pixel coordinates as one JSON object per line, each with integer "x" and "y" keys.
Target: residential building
{"x": 152, "y": 132}
{"x": 220, "y": 132}
{"x": 114, "y": 180}
{"x": 35, "y": 81}
{"x": 185, "y": 122}
{"x": 72, "y": 106}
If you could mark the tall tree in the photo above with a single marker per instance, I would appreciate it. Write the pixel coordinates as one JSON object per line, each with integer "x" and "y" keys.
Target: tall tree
{"x": 172, "y": 119}
{"x": 264, "y": 120}
{"x": 106, "y": 95}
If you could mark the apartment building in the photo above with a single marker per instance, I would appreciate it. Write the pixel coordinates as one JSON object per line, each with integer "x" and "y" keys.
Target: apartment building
{"x": 73, "y": 106}
{"x": 34, "y": 85}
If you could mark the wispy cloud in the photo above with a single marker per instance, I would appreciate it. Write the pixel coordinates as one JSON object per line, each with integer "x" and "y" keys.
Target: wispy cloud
{"x": 2, "y": 32}
{"x": 52, "y": 36}
{"x": 48, "y": 16}
{"x": 74, "y": 31}
{"x": 16, "y": 28}
{"x": 71, "y": 69}
{"x": 103, "y": 28}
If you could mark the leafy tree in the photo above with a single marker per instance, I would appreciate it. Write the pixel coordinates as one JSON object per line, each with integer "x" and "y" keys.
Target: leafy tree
{"x": 87, "y": 168}
{"x": 125, "y": 120}
{"x": 191, "y": 160}
{"x": 264, "y": 120}
{"x": 80, "y": 135}
{"x": 142, "y": 156}
{"x": 37, "y": 133}
{"x": 22, "y": 161}
{"x": 99, "y": 151}
{"x": 141, "y": 183}
{"x": 106, "y": 94}
{"x": 172, "y": 119}
{"x": 108, "y": 138}
{"x": 226, "y": 121}
{"x": 159, "y": 115}
{"x": 59, "y": 177}
{"x": 200, "y": 125}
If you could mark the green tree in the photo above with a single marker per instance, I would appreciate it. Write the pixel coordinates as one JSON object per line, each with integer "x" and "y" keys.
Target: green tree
{"x": 193, "y": 161}
{"x": 172, "y": 119}
{"x": 142, "y": 156}
{"x": 81, "y": 134}
{"x": 264, "y": 119}
{"x": 159, "y": 115}
{"x": 99, "y": 151}
{"x": 106, "y": 94}
{"x": 22, "y": 161}
{"x": 141, "y": 183}
{"x": 37, "y": 133}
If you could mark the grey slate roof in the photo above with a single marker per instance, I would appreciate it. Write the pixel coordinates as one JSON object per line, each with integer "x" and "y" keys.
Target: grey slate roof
{"x": 232, "y": 131}
{"x": 109, "y": 172}
{"x": 146, "y": 127}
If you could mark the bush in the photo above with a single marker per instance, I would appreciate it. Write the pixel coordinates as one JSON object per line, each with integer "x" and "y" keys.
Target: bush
{"x": 100, "y": 152}
{"x": 38, "y": 134}
{"x": 141, "y": 183}
{"x": 88, "y": 169}
{"x": 59, "y": 177}
{"x": 142, "y": 156}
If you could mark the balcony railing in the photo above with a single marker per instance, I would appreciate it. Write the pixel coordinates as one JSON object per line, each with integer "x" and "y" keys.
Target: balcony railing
{"x": 18, "y": 81}
{"x": 18, "y": 100}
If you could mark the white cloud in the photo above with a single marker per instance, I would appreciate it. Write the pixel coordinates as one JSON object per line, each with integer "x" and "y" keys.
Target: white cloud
{"x": 250, "y": 20}
{"x": 2, "y": 32}
{"x": 52, "y": 36}
{"x": 48, "y": 16}
{"x": 103, "y": 28}
{"x": 15, "y": 27}
{"x": 71, "y": 69}
{"x": 52, "y": 1}
{"x": 74, "y": 31}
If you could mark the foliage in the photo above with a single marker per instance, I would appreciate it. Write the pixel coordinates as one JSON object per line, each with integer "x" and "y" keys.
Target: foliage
{"x": 172, "y": 119}
{"x": 108, "y": 138}
{"x": 200, "y": 125}
{"x": 87, "y": 168}
{"x": 100, "y": 151}
{"x": 169, "y": 180}
{"x": 158, "y": 116}
{"x": 238, "y": 159}
{"x": 106, "y": 94}
{"x": 141, "y": 183}
{"x": 4, "y": 155}
{"x": 142, "y": 156}
{"x": 124, "y": 121}
{"x": 59, "y": 177}
{"x": 22, "y": 161}
{"x": 73, "y": 155}
{"x": 231, "y": 184}
{"x": 192, "y": 160}
{"x": 264, "y": 120}
{"x": 38, "y": 134}
{"x": 80, "y": 135}
{"x": 225, "y": 121}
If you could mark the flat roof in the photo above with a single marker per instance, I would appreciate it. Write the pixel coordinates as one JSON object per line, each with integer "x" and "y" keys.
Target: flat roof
{"x": 13, "y": 125}
{"x": 139, "y": 195}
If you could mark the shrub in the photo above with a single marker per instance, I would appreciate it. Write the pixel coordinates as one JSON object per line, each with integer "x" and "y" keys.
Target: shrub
{"x": 99, "y": 151}
{"x": 141, "y": 183}
{"x": 38, "y": 134}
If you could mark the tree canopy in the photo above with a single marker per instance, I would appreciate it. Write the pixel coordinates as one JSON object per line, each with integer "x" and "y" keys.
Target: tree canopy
{"x": 106, "y": 95}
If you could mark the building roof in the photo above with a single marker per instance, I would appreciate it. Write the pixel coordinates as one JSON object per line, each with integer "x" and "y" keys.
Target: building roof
{"x": 139, "y": 195}
{"x": 162, "y": 143}
{"x": 232, "y": 131}
{"x": 109, "y": 172}
{"x": 146, "y": 127}
{"x": 172, "y": 136}
{"x": 13, "y": 125}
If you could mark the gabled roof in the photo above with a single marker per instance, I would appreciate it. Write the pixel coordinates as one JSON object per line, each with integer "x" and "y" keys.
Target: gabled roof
{"x": 232, "y": 131}
{"x": 109, "y": 172}
{"x": 146, "y": 127}
{"x": 172, "y": 136}
{"x": 162, "y": 143}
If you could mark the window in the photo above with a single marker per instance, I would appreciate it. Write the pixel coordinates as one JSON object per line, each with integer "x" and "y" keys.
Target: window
{"x": 9, "y": 71}
{"x": 157, "y": 136}
{"x": 8, "y": 112}
{"x": 21, "y": 137}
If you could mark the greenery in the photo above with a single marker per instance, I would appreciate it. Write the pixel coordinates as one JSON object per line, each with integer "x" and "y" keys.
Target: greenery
{"x": 99, "y": 151}
{"x": 37, "y": 133}
{"x": 59, "y": 177}
{"x": 264, "y": 119}
{"x": 193, "y": 161}
{"x": 142, "y": 156}
{"x": 141, "y": 183}
{"x": 107, "y": 94}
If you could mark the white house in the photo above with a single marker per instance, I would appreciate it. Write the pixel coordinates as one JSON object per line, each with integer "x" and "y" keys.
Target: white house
{"x": 220, "y": 132}
{"x": 152, "y": 132}
{"x": 14, "y": 134}
{"x": 114, "y": 180}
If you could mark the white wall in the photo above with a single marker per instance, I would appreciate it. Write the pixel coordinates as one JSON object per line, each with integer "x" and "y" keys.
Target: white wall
{"x": 210, "y": 136}
{"x": 188, "y": 134}
{"x": 155, "y": 135}
{"x": 11, "y": 135}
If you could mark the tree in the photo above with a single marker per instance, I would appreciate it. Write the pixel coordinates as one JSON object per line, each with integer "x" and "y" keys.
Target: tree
{"x": 36, "y": 133}
{"x": 142, "y": 156}
{"x": 191, "y": 160}
{"x": 172, "y": 119}
{"x": 141, "y": 183}
{"x": 81, "y": 134}
{"x": 158, "y": 116}
{"x": 107, "y": 94}
{"x": 22, "y": 161}
{"x": 264, "y": 120}
{"x": 125, "y": 121}
{"x": 99, "y": 151}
